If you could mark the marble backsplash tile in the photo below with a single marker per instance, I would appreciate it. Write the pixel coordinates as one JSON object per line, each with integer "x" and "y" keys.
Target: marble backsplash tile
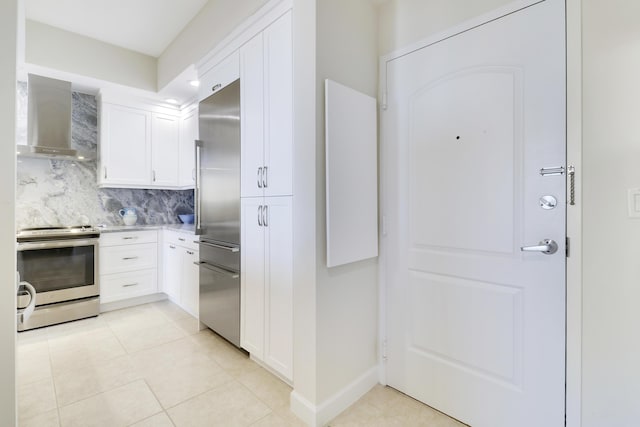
{"x": 65, "y": 192}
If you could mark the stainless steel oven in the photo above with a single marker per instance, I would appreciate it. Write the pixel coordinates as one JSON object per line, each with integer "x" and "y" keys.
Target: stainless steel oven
{"x": 62, "y": 266}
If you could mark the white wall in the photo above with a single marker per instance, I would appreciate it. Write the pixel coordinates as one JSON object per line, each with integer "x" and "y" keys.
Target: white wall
{"x": 8, "y": 41}
{"x": 217, "y": 19}
{"x": 347, "y": 296}
{"x": 611, "y": 240}
{"x": 304, "y": 200}
{"x": 61, "y": 50}
{"x": 403, "y": 22}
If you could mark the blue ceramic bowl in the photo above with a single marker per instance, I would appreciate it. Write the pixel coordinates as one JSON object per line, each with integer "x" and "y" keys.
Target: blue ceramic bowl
{"x": 186, "y": 218}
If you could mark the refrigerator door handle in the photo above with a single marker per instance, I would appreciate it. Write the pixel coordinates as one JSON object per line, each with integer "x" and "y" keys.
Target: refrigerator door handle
{"x": 215, "y": 268}
{"x": 198, "y": 178}
{"x": 218, "y": 246}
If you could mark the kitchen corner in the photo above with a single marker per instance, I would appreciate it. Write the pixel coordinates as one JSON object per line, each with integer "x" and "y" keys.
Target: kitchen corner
{"x": 65, "y": 192}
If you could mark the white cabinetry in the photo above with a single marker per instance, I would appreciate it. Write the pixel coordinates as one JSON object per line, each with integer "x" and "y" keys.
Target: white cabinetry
{"x": 165, "y": 144}
{"x": 139, "y": 144}
{"x": 125, "y": 146}
{"x": 267, "y": 282}
{"x": 181, "y": 276}
{"x": 188, "y": 135}
{"x": 219, "y": 76}
{"x": 128, "y": 265}
{"x": 267, "y": 111}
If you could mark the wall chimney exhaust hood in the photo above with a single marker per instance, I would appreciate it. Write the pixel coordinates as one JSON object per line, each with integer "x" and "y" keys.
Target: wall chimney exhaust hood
{"x": 49, "y": 121}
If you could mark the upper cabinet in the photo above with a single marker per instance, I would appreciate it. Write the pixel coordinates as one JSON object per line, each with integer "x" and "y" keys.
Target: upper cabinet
{"x": 266, "y": 110}
{"x": 188, "y": 135}
{"x": 140, "y": 145}
{"x": 125, "y": 146}
{"x": 165, "y": 144}
{"x": 221, "y": 75}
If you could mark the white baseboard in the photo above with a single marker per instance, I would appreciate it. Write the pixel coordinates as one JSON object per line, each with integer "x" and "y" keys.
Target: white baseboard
{"x": 316, "y": 416}
{"x": 130, "y": 302}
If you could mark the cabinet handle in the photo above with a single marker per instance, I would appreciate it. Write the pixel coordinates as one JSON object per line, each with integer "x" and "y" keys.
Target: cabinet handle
{"x": 130, "y": 238}
{"x": 129, "y": 285}
{"x": 181, "y": 239}
{"x": 265, "y": 177}
{"x": 216, "y": 87}
{"x": 154, "y": 176}
{"x": 260, "y": 177}
{"x": 265, "y": 218}
{"x": 260, "y": 216}
{"x": 129, "y": 258}
{"x": 105, "y": 172}
{"x": 193, "y": 174}
{"x": 190, "y": 253}
{"x": 171, "y": 247}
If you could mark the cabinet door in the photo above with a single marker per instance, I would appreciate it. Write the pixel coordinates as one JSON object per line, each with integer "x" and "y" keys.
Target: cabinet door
{"x": 172, "y": 264}
{"x": 219, "y": 76}
{"x": 188, "y": 134}
{"x": 252, "y": 117}
{"x": 278, "y": 220}
{"x": 189, "y": 297}
{"x": 164, "y": 150}
{"x": 252, "y": 277}
{"x": 125, "y": 146}
{"x": 278, "y": 107}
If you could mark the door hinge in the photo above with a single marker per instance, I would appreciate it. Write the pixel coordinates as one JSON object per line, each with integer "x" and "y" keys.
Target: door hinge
{"x": 567, "y": 246}
{"x": 384, "y": 225}
{"x": 384, "y": 351}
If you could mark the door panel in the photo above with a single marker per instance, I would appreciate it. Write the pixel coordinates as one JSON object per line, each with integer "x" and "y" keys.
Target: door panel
{"x": 475, "y": 326}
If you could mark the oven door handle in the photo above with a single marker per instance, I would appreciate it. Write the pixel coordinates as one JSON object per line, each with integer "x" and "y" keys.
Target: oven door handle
{"x": 52, "y": 244}
{"x": 25, "y": 313}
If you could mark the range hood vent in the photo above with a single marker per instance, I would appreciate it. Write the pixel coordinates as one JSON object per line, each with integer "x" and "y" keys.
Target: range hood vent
{"x": 49, "y": 120}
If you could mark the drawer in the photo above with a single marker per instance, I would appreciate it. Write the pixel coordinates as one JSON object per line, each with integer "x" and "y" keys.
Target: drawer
{"x": 115, "y": 287}
{"x": 128, "y": 238}
{"x": 185, "y": 240}
{"x": 117, "y": 259}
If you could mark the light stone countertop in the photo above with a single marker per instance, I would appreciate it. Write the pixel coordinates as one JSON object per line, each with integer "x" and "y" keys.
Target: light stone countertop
{"x": 182, "y": 228}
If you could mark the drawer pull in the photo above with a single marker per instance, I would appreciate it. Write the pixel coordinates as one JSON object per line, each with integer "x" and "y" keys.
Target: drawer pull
{"x": 130, "y": 238}
{"x": 181, "y": 239}
{"x": 129, "y": 285}
{"x": 190, "y": 253}
{"x": 172, "y": 247}
{"x": 128, "y": 258}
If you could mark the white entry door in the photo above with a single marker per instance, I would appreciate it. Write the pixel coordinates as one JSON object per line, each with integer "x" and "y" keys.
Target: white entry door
{"x": 475, "y": 326}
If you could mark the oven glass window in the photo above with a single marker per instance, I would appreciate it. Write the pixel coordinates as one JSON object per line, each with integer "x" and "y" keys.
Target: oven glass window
{"x": 57, "y": 268}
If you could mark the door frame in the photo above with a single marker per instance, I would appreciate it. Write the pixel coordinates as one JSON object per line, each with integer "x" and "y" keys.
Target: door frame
{"x": 573, "y": 334}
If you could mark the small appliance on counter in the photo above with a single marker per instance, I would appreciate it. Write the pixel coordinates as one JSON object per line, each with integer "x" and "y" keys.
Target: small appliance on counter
{"x": 128, "y": 215}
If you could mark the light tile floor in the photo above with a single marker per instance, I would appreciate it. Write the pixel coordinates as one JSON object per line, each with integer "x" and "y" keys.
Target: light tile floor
{"x": 151, "y": 366}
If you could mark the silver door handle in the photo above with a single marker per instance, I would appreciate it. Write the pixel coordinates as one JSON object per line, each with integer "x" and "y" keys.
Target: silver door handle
{"x": 260, "y": 177}
{"x": 215, "y": 245}
{"x": 545, "y": 246}
{"x": 260, "y": 216}
{"x": 265, "y": 216}
{"x": 265, "y": 177}
{"x": 198, "y": 176}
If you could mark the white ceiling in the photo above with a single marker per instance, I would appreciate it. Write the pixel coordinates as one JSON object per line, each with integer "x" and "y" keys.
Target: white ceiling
{"x": 145, "y": 26}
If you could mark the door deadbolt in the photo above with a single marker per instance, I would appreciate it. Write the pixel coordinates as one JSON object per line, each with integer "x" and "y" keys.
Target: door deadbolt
{"x": 548, "y": 202}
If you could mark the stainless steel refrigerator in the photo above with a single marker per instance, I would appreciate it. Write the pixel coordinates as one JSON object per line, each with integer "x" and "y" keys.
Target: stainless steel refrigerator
{"x": 217, "y": 199}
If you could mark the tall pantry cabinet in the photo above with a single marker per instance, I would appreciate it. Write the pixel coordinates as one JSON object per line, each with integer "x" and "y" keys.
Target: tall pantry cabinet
{"x": 267, "y": 196}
